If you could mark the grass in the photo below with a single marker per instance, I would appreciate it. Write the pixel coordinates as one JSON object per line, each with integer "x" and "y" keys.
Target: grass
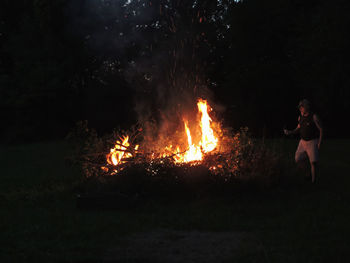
{"x": 294, "y": 222}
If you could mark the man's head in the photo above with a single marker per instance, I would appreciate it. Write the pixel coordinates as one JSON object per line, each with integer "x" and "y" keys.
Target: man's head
{"x": 304, "y": 106}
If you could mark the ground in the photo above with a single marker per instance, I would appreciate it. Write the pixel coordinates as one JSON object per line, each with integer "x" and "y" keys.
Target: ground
{"x": 178, "y": 246}
{"x": 293, "y": 222}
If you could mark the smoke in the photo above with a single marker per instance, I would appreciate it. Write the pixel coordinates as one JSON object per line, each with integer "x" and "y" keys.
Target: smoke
{"x": 155, "y": 45}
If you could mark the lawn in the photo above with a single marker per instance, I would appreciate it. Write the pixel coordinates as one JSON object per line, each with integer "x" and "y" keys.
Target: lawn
{"x": 292, "y": 222}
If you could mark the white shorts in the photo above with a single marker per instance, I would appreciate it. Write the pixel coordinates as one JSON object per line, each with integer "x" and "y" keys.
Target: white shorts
{"x": 307, "y": 149}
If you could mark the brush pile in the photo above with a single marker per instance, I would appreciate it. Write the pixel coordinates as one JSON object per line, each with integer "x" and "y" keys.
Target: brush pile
{"x": 241, "y": 160}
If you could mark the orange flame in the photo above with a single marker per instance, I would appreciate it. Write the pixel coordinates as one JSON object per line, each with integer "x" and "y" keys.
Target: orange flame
{"x": 193, "y": 153}
{"x": 119, "y": 152}
{"x": 209, "y": 141}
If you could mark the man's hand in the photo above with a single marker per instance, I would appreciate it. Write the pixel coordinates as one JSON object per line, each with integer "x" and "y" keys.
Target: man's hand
{"x": 288, "y": 132}
{"x": 319, "y": 145}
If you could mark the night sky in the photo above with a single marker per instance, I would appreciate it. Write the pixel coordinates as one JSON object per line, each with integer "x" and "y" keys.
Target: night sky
{"x": 115, "y": 63}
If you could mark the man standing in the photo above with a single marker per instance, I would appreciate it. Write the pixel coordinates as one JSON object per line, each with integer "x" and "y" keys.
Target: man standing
{"x": 311, "y": 133}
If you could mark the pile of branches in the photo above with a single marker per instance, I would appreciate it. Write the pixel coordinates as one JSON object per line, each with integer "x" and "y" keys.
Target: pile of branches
{"x": 241, "y": 159}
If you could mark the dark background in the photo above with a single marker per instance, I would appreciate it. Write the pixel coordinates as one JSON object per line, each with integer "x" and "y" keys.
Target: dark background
{"x": 116, "y": 62}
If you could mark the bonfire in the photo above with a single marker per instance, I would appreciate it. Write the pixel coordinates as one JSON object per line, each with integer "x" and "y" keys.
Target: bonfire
{"x": 197, "y": 142}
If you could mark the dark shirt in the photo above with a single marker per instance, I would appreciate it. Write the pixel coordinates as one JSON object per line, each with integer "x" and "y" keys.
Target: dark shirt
{"x": 308, "y": 128}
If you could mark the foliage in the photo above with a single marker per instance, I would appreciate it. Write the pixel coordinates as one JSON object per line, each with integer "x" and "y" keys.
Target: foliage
{"x": 68, "y": 60}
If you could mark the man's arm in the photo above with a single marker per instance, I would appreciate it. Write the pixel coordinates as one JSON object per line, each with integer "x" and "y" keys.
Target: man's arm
{"x": 295, "y": 131}
{"x": 320, "y": 128}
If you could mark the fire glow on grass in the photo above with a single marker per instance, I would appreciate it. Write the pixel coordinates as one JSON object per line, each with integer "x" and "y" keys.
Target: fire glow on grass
{"x": 192, "y": 152}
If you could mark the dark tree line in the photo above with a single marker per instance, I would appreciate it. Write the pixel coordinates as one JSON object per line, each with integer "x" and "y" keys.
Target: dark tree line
{"x": 112, "y": 61}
